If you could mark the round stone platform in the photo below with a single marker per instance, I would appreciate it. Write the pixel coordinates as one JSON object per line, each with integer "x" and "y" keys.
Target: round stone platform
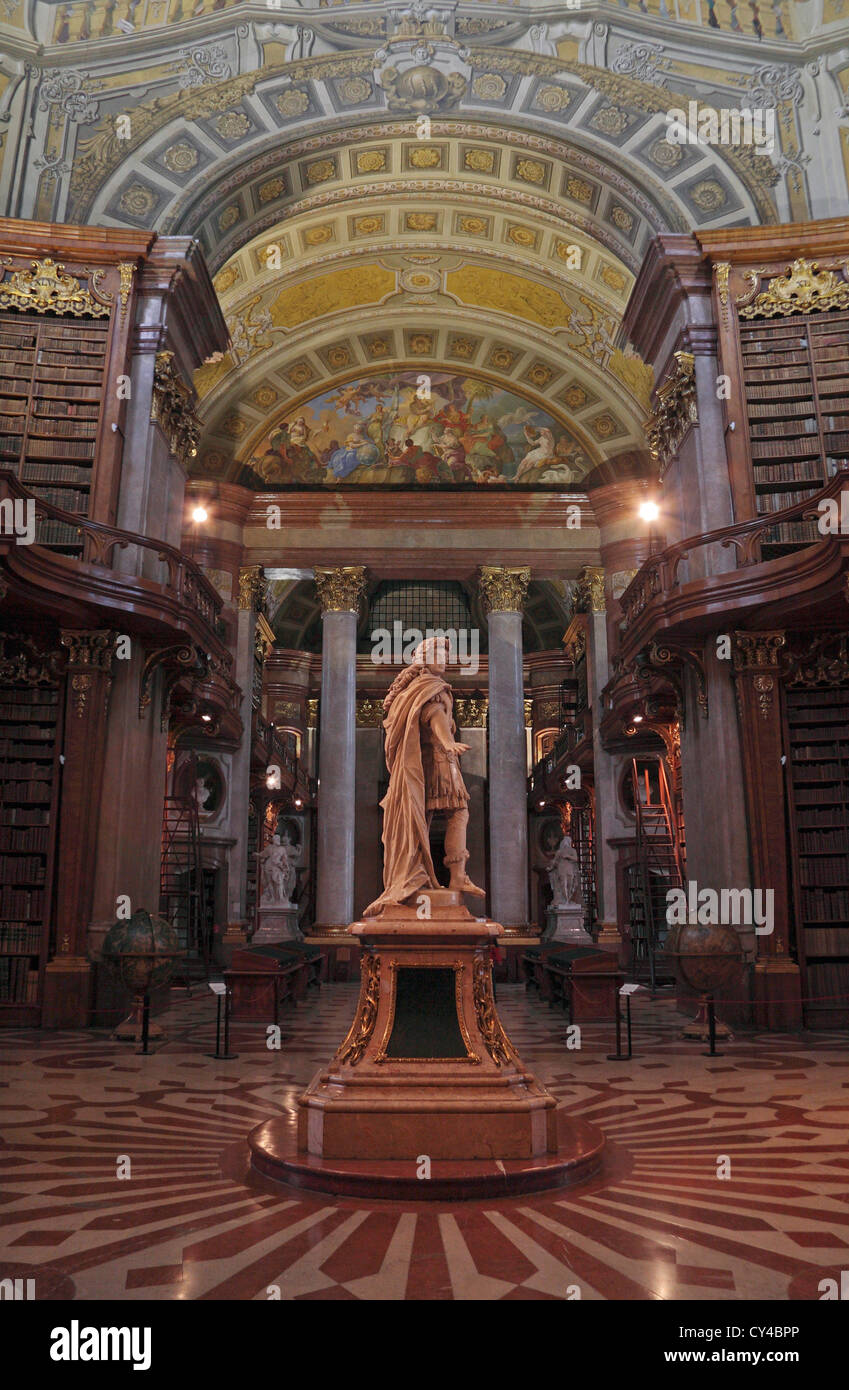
{"x": 274, "y": 1152}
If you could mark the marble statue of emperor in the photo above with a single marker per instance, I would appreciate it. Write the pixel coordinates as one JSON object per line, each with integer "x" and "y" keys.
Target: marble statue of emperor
{"x": 422, "y": 756}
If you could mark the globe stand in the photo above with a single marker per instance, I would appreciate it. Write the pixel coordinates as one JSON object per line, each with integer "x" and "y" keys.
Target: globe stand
{"x": 130, "y": 1029}
{"x": 706, "y": 1027}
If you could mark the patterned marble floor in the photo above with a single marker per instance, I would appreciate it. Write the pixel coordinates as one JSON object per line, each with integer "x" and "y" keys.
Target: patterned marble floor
{"x": 193, "y": 1222}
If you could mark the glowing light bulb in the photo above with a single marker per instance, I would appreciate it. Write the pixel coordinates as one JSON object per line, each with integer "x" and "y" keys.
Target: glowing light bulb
{"x": 649, "y": 511}
{"x": 200, "y": 514}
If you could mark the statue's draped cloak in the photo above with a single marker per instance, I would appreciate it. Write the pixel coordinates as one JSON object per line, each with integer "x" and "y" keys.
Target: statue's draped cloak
{"x": 407, "y": 862}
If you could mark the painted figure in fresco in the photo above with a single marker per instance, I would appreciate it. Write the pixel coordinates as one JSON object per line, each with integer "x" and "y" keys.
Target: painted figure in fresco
{"x": 451, "y": 450}
{"x": 289, "y": 458}
{"x": 357, "y": 451}
{"x": 541, "y": 453}
{"x": 423, "y": 759}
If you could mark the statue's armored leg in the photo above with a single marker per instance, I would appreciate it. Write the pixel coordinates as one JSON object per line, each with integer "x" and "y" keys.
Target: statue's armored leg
{"x": 456, "y": 854}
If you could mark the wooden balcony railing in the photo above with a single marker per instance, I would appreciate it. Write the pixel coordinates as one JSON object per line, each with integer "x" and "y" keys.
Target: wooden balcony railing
{"x": 659, "y": 575}
{"x": 180, "y": 577}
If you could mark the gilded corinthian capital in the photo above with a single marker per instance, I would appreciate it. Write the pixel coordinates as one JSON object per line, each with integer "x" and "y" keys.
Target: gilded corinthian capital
{"x": 253, "y": 588}
{"x": 340, "y": 589}
{"x": 589, "y": 591}
{"x": 503, "y": 590}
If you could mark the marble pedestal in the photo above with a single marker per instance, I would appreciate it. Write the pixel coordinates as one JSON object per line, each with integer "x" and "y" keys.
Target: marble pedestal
{"x": 277, "y": 924}
{"x": 426, "y": 1067}
{"x": 426, "y": 1071}
{"x": 566, "y": 926}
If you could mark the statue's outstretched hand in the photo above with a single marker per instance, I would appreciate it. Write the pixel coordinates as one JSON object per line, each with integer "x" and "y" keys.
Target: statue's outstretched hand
{"x": 461, "y": 748}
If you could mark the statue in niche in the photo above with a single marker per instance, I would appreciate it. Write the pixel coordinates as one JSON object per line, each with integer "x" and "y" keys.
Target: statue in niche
{"x": 564, "y": 875}
{"x": 277, "y": 872}
{"x": 423, "y": 758}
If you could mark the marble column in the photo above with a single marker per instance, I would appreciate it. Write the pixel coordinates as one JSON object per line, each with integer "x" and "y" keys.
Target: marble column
{"x": 68, "y": 976}
{"x": 340, "y": 591}
{"x": 606, "y": 767}
{"x": 503, "y": 593}
{"x": 252, "y": 592}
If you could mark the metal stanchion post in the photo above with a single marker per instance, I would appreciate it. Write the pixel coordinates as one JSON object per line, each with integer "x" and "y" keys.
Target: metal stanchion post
{"x": 145, "y": 1032}
{"x": 711, "y": 1013}
{"x": 617, "y": 1056}
{"x": 225, "y": 1056}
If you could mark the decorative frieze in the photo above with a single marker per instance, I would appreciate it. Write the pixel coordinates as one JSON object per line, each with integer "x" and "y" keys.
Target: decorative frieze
{"x": 675, "y": 411}
{"x": 173, "y": 410}
{"x": 47, "y": 289}
{"x": 803, "y": 289}
{"x": 503, "y": 590}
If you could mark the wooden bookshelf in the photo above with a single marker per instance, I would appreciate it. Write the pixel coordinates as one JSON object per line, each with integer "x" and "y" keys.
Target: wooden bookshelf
{"x": 52, "y": 384}
{"x": 818, "y": 777}
{"x": 798, "y": 422}
{"x": 30, "y": 742}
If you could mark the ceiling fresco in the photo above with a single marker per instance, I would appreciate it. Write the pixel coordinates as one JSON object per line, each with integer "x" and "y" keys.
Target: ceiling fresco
{"x": 464, "y": 189}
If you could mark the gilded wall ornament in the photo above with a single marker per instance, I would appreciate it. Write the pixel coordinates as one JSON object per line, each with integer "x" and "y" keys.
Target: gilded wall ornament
{"x": 355, "y": 90}
{"x": 369, "y": 714}
{"x": 489, "y": 86}
{"x": 675, "y": 411}
{"x": 553, "y": 99}
{"x": 137, "y": 201}
{"x": 611, "y": 120}
{"x": 503, "y": 590}
{"x": 341, "y": 589}
{"x": 470, "y": 712}
{"x": 321, "y": 171}
{"x": 489, "y": 1026}
{"x": 479, "y": 161}
{"x": 709, "y": 195}
{"x": 722, "y": 270}
{"x": 371, "y": 161}
{"x": 580, "y": 190}
{"x": 422, "y": 88}
{"x": 530, "y": 171}
{"x": 294, "y": 102}
{"x": 804, "y": 289}
{"x": 46, "y": 289}
{"x": 180, "y": 158}
{"x": 362, "y": 1028}
{"x": 173, "y": 410}
{"x": 271, "y": 189}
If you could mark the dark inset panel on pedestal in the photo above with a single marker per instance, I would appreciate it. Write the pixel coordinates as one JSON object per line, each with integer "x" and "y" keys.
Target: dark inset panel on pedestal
{"x": 425, "y": 1022}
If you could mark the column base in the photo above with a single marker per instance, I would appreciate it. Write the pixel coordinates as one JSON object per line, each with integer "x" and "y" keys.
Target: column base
{"x": 67, "y": 993}
{"x": 233, "y": 939}
{"x": 330, "y": 929}
{"x": 609, "y": 937}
